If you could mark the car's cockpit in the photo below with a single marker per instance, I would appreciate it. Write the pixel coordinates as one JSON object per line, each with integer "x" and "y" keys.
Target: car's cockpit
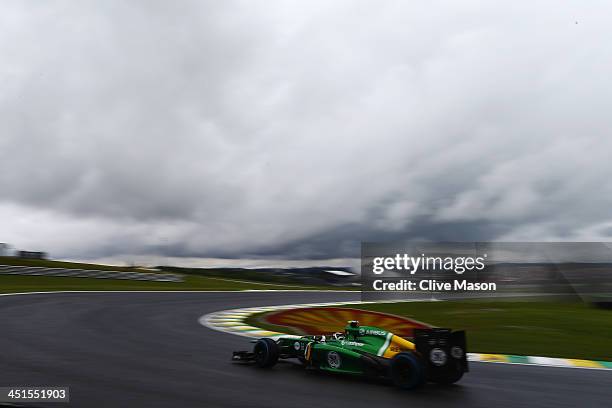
{"x": 338, "y": 336}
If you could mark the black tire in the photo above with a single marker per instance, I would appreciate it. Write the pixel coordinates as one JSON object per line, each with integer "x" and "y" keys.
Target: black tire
{"x": 407, "y": 371}
{"x": 266, "y": 353}
{"x": 448, "y": 377}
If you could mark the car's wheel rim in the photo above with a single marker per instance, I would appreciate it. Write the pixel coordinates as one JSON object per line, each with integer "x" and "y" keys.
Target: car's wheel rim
{"x": 405, "y": 373}
{"x": 260, "y": 354}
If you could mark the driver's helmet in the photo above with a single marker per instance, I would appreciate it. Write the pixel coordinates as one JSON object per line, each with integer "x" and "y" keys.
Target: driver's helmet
{"x": 352, "y": 329}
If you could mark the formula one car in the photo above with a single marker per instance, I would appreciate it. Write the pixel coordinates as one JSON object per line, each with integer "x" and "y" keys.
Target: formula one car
{"x": 437, "y": 355}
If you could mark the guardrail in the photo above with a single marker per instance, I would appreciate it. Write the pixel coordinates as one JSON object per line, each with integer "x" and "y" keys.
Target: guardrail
{"x": 88, "y": 273}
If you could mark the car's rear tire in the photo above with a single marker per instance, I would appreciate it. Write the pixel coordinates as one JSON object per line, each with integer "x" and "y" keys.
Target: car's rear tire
{"x": 266, "y": 353}
{"x": 407, "y": 371}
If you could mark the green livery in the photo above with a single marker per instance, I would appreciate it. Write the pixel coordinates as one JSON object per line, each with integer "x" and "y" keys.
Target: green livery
{"x": 437, "y": 355}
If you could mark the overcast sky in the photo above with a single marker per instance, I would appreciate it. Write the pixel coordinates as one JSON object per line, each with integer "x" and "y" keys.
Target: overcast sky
{"x": 295, "y": 130}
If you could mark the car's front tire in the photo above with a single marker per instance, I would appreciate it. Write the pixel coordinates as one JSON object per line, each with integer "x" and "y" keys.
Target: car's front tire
{"x": 266, "y": 353}
{"x": 407, "y": 371}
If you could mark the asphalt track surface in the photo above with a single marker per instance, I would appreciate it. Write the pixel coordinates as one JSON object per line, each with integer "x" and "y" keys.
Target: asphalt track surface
{"x": 148, "y": 350}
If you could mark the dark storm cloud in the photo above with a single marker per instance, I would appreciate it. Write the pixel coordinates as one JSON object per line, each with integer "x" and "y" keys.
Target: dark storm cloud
{"x": 297, "y": 129}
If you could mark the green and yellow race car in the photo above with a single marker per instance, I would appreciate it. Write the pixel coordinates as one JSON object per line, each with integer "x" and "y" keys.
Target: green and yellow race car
{"x": 437, "y": 355}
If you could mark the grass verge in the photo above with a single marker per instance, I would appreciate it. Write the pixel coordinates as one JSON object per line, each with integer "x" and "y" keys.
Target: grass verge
{"x": 17, "y": 284}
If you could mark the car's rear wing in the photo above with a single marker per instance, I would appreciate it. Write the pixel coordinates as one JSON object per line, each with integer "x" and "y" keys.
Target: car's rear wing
{"x": 443, "y": 349}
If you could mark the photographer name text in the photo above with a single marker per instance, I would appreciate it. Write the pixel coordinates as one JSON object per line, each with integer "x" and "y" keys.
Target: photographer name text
{"x": 432, "y": 285}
